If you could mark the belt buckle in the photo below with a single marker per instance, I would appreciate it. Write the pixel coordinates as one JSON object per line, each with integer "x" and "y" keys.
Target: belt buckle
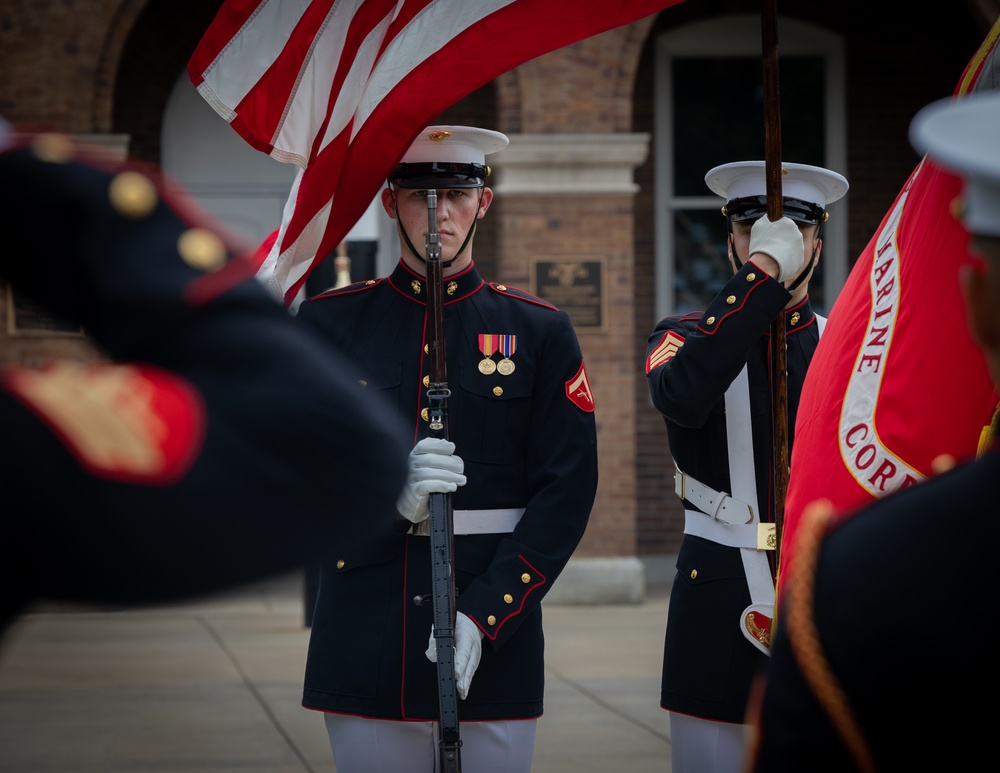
{"x": 767, "y": 536}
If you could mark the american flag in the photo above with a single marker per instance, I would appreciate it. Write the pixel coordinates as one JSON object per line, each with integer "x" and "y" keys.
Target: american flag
{"x": 341, "y": 87}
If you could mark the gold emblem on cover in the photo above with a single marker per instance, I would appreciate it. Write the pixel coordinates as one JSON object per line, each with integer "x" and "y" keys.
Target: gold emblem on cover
{"x": 439, "y": 136}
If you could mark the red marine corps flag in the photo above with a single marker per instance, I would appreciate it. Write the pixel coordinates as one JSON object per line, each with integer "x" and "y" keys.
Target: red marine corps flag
{"x": 896, "y": 389}
{"x": 341, "y": 87}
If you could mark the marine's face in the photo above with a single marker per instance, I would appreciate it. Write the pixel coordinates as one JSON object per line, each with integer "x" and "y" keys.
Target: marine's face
{"x": 457, "y": 211}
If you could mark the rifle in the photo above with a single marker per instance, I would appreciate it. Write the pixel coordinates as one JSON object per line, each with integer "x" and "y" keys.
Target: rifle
{"x": 441, "y": 515}
{"x": 772, "y": 176}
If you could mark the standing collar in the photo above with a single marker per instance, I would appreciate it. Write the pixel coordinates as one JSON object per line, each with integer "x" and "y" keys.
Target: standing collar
{"x": 457, "y": 286}
{"x": 799, "y": 316}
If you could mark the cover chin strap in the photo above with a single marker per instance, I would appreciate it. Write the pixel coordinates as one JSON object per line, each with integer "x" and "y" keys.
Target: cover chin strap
{"x": 806, "y": 269}
{"x": 413, "y": 250}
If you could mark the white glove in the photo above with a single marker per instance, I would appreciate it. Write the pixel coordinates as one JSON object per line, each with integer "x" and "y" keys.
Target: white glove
{"x": 434, "y": 468}
{"x": 782, "y": 240}
{"x": 468, "y": 651}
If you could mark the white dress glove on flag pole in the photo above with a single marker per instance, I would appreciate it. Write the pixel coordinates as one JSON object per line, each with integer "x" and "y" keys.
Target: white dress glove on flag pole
{"x": 468, "y": 651}
{"x": 434, "y": 468}
{"x": 782, "y": 240}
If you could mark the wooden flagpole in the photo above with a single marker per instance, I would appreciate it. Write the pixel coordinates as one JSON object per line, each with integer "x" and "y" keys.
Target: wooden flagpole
{"x": 772, "y": 172}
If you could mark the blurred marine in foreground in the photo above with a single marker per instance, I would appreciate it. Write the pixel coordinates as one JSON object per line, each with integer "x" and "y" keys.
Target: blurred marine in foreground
{"x": 217, "y": 443}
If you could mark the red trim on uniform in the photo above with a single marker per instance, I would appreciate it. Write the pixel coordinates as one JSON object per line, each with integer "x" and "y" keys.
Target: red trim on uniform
{"x": 355, "y": 287}
{"x": 735, "y": 309}
{"x": 515, "y": 292}
{"x": 520, "y": 607}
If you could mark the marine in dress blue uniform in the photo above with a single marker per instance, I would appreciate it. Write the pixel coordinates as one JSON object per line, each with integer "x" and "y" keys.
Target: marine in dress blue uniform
{"x": 521, "y": 419}
{"x": 215, "y": 443}
{"x": 880, "y": 660}
{"x": 708, "y": 374}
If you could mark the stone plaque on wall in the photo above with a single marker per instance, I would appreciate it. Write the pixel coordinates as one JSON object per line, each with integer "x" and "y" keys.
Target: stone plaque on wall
{"x": 575, "y": 285}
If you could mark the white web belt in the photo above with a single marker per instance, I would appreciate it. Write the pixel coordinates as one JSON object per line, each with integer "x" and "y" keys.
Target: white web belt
{"x": 499, "y": 521}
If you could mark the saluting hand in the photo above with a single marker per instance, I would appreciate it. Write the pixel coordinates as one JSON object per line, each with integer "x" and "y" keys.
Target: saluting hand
{"x": 782, "y": 240}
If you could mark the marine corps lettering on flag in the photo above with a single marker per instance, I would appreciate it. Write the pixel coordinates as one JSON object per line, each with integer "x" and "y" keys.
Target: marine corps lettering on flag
{"x": 341, "y": 87}
{"x": 897, "y": 389}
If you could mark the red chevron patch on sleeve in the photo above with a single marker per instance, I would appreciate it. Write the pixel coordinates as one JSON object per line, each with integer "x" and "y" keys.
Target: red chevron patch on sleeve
{"x": 578, "y": 390}
{"x": 664, "y": 350}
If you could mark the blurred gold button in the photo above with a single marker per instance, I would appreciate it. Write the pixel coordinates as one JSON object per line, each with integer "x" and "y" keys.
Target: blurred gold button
{"x": 424, "y": 414}
{"x": 498, "y": 391}
{"x": 694, "y": 574}
{"x": 508, "y": 598}
{"x": 731, "y": 300}
{"x": 427, "y": 381}
{"x": 340, "y": 563}
{"x": 201, "y": 249}
{"x": 525, "y": 578}
{"x": 710, "y": 320}
{"x": 492, "y": 620}
{"x": 132, "y": 195}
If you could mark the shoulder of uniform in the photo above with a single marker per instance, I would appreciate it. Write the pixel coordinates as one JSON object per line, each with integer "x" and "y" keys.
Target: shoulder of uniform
{"x": 521, "y": 295}
{"x": 355, "y": 287}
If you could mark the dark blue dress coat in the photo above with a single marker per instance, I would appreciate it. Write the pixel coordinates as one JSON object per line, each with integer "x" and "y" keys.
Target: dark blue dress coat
{"x": 708, "y": 665}
{"x": 528, "y": 440}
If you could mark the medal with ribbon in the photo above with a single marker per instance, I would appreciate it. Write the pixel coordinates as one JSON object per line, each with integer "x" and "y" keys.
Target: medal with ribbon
{"x": 487, "y": 345}
{"x": 508, "y": 345}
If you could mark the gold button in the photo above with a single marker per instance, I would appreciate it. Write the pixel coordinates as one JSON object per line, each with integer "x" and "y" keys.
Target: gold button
{"x": 502, "y": 287}
{"x": 370, "y": 282}
{"x": 508, "y": 598}
{"x": 525, "y": 578}
{"x": 424, "y": 414}
{"x": 751, "y": 276}
{"x": 364, "y": 384}
{"x": 498, "y": 391}
{"x": 694, "y": 574}
{"x": 710, "y": 321}
{"x": 731, "y": 300}
{"x": 427, "y": 348}
{"x": 427, "y": 381}
{"x": 340, "y": 563}
{"x": 492, "y": 620}
{"x": 132, "y": 195}
{"x": 201, "y": 249}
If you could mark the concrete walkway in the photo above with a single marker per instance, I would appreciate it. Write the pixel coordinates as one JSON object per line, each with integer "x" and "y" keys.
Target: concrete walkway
{"x": 215, "y": 687}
